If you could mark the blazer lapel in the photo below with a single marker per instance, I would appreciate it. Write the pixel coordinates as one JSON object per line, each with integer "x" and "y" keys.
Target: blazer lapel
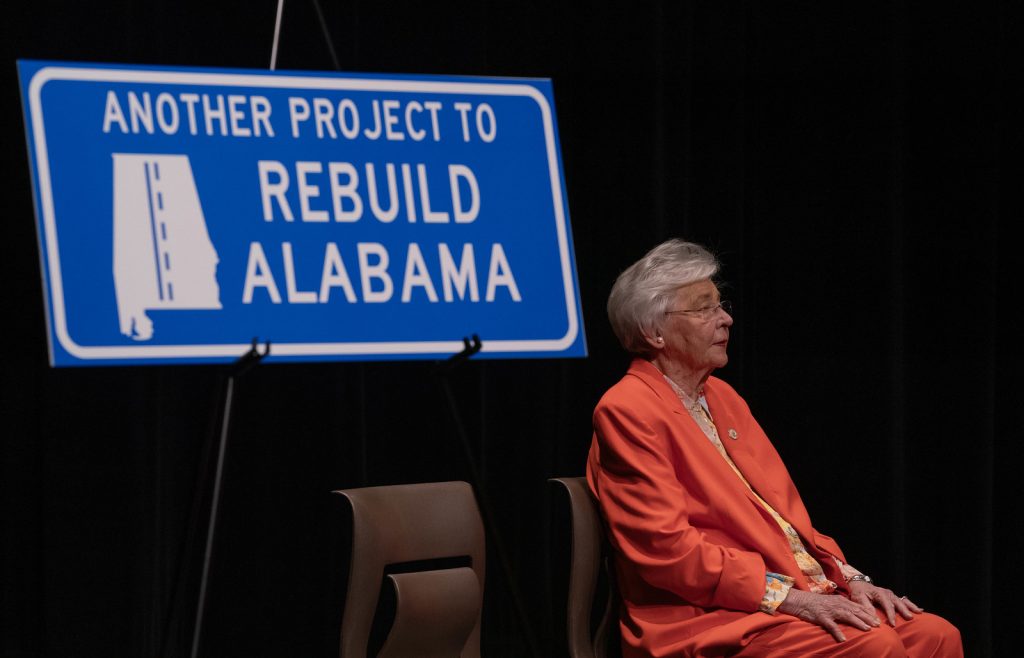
{"x": 744, "y": 455}
{"x": 653, "y": 378}
{"x": 739, "y": 450}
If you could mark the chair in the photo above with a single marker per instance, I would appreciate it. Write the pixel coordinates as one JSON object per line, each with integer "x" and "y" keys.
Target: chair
{"x": 437, "y": 611}
{"x": 589, "y": 556}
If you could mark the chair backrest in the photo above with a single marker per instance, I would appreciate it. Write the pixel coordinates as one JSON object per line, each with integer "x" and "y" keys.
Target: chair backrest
{"x": 589, "y": 556}
{"x": 437, "y": 612}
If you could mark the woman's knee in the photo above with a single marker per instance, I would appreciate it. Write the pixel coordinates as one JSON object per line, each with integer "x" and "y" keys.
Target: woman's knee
{"x": 928, "y": 635}
{"x": 938, "y": 627}
{"x": 882, "y": 641}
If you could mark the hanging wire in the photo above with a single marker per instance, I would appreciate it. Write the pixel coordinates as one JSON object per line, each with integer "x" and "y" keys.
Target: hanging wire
{"x": 327, "y": 34}
{"x": 277, "y": 35}
{"x": 323, "y": 28}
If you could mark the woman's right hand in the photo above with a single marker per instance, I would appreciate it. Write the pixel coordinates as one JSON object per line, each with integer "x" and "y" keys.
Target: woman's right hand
{"x": 828, "y": 611}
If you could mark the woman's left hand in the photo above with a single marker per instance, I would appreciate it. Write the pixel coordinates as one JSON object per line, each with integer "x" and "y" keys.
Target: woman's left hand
{"x": 880, "y": 597}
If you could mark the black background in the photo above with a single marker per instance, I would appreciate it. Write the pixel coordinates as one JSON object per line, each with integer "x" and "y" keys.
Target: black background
{"x": 847, "y": 161}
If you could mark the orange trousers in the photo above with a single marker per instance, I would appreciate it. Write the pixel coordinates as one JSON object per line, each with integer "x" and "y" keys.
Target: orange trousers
{"x": 924, "y": 636}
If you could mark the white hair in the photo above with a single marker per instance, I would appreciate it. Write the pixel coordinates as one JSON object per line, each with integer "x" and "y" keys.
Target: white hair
{"x": 642, "y": 294}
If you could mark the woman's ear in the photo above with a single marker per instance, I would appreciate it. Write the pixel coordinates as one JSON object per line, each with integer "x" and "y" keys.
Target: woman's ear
{"x": 656, "y": 341}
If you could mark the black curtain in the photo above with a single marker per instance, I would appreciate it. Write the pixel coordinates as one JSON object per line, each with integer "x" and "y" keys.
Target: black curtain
{"x": 848, "y": 162}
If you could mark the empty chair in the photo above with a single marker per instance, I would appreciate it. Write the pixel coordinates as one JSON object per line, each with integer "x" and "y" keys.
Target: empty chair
{"x": 437, "y": 611}
{"x": 591, "y": 615}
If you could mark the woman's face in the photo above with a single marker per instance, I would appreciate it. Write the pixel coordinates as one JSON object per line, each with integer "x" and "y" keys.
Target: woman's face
{"x": 690, "y": 341}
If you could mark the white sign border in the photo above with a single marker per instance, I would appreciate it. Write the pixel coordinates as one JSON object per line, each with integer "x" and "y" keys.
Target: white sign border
{"x": 304, "y": 82}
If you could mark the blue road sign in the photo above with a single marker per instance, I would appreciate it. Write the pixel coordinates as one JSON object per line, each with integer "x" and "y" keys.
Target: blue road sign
{"x": 183, "y": 212}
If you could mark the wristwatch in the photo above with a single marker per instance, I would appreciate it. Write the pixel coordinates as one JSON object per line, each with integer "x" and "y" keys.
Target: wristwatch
{"x": 860, "y": 576}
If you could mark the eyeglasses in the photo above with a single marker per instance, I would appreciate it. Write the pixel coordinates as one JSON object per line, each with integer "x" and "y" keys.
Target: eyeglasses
{"x": 707, "y": 312}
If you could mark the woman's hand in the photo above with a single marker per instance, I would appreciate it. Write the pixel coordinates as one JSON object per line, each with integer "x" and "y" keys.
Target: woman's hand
{"x": 828, "y": 610}
{"x": 871, "y": 595}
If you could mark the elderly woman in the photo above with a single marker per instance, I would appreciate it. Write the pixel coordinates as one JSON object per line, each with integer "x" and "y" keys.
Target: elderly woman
{"x": 715, "y": 552}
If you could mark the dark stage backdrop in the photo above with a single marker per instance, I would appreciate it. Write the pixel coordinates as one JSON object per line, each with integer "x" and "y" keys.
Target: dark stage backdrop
{"x": 847, "y": 161}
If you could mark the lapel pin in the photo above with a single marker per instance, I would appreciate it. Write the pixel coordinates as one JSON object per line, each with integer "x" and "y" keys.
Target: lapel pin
{"x": 733, "y": 434}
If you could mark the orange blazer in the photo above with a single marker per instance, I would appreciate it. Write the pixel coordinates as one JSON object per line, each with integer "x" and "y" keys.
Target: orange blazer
{"x": 691, "y": 543}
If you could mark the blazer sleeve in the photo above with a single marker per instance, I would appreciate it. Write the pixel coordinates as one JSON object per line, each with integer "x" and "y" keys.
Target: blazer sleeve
{"x": 645, "y": 506}
{"x": 829, "y": 545}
